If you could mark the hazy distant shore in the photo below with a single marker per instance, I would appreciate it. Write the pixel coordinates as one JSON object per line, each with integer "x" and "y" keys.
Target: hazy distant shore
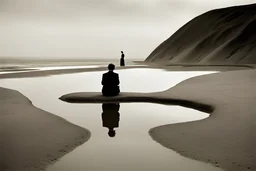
{"x": 23, "y": 62}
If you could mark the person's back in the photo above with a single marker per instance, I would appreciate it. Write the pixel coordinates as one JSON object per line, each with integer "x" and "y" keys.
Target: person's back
{"x": 110, "y": 82}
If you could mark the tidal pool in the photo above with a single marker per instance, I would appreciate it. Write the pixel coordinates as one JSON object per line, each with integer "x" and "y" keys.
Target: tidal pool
{"x": 131, "y": 148}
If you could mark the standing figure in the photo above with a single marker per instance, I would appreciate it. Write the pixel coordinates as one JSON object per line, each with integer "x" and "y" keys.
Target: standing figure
{"x": 110, "y": 82}
{"x": 110, "y": 117}
{"x": 122, "y": 59}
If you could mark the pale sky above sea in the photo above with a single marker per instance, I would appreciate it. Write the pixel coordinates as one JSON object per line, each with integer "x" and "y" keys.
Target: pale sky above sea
{"x": 94, "y": 28}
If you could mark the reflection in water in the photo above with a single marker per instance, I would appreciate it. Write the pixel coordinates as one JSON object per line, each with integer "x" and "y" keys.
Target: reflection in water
{"x": 132, "y": 149}
{"x": 110, "y": 117}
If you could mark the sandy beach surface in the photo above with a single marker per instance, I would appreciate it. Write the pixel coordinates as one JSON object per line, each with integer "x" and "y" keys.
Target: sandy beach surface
{"x": 31, "y": 138}
{"x": 225, "y": 139}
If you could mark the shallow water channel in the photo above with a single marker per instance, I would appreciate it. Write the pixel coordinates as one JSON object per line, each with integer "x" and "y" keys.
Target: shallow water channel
{"x": 131, "y": 148}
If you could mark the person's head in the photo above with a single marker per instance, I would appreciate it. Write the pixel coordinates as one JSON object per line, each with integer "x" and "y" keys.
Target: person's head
{"x": 122, "y": 52}
{"x": 111, "y": 133}
{"x": 111, "y": 67}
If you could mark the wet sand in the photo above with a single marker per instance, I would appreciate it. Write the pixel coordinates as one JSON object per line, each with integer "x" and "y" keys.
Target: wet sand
{"x": 32, "y": 138}
{"x": 171, "y": 67}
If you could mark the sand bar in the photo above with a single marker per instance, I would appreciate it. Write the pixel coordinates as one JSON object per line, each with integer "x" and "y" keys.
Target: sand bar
{"x": 32, "y": 138}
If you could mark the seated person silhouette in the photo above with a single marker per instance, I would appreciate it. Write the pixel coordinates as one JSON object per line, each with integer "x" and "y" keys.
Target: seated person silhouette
{"x": 110, "y": 82}
{"x": 110, "y": 117}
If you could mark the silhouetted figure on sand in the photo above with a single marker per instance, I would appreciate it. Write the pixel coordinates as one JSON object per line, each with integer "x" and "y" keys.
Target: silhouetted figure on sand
{"x": 122, "y": 59}
{"x": 110, "y": 117}
{"x": 110, "y": 82}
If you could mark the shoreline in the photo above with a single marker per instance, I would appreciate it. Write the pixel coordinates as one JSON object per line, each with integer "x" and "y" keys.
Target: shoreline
{"x": 27, "y": 129}
{"x": 225, "y": 138}
{"x": 45, "y": 73}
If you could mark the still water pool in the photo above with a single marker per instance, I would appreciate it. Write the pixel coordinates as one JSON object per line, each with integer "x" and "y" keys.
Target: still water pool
{"x": 128, "y": 146}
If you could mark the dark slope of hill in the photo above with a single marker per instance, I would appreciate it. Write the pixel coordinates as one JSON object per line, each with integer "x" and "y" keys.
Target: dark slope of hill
{"x": 221, "y": 36}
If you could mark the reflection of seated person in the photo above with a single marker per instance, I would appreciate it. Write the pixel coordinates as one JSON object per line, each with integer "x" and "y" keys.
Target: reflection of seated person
{"x": 110, "y": 82}
{"x": 110, "y": 117}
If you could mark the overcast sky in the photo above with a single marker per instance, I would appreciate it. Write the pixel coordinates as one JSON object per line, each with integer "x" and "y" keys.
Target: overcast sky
{"x": 94, "y": 28}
